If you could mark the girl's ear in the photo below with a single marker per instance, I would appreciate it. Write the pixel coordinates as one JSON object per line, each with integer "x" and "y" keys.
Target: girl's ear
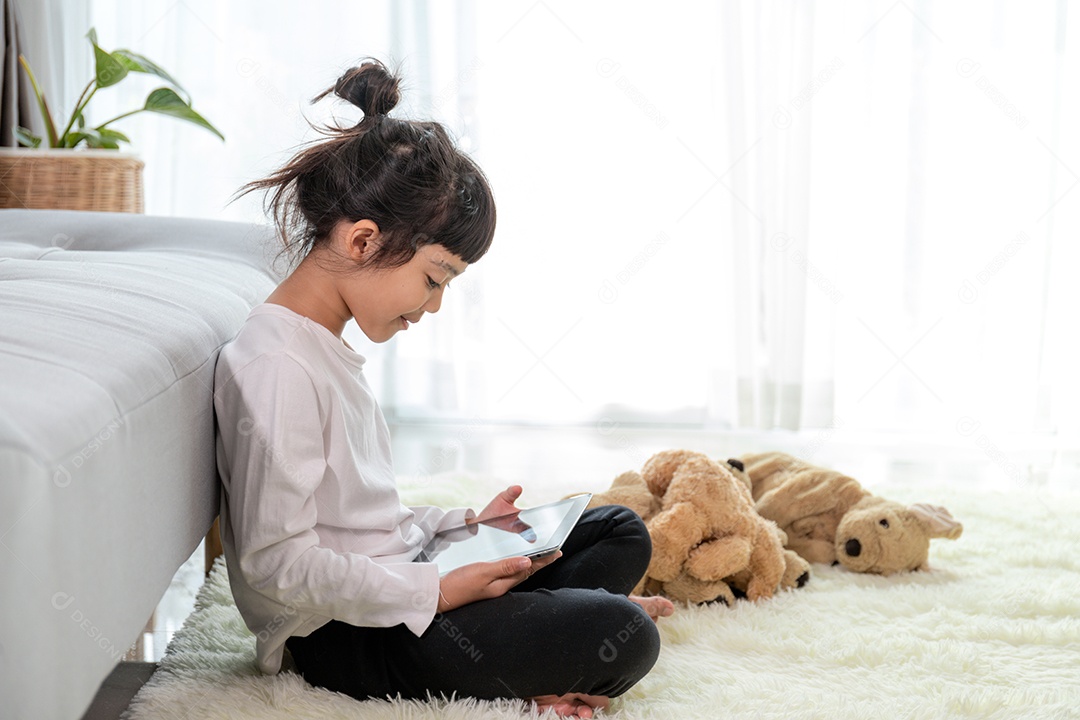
{"x": 361, "y": 240}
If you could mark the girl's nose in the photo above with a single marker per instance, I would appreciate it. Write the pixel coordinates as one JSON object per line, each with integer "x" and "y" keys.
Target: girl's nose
{"x": 434, "y": 302}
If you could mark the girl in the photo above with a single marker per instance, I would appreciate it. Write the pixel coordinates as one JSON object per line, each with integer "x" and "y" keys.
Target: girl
{"x": 318, "y": 545}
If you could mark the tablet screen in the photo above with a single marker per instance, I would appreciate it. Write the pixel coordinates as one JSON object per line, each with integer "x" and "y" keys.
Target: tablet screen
{"x": 529, "y": 532}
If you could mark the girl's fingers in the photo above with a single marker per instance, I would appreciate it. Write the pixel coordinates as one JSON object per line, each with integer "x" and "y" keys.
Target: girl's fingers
{"x": 511, "y": 567}
{"x": 546, "y": 560}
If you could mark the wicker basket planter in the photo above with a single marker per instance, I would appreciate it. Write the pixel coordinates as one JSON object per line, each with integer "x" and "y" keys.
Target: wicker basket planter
{"x": 105, "y": 180}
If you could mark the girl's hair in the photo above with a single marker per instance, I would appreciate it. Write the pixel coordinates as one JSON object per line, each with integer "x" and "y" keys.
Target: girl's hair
{"x": 404, "y": 175}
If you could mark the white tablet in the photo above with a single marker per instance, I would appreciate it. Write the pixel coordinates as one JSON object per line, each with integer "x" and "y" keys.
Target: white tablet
{"x": 531, "y": 532}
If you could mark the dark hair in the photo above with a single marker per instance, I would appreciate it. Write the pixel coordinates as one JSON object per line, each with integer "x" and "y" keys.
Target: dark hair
{"x": 406, "y": 176}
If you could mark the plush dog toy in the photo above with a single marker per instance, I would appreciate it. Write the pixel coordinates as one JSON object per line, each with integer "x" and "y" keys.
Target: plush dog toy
{"x": 829, "y": 517}
{"x": 796, "y": 569}
{"x": 706, "y": 535}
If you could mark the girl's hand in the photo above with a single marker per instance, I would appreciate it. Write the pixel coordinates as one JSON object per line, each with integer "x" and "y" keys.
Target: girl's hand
{"x": 483, "y": 580}
{"x": 503, "y": 504}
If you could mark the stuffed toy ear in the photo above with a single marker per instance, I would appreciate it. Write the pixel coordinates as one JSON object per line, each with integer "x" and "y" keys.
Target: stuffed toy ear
{"x": 938, "y": 520}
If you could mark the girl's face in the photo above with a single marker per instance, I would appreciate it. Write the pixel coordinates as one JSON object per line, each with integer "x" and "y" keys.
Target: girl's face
{"x": 386, "y": 301}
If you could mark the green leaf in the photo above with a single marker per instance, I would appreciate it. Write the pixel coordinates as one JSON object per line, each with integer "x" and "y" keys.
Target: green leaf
{"x": 27, "y": 138}
{"x": 92, "y": 34}
{"x": 112, "y": 135}
{"x": 108, "y": 70}
{"x": 75, "y": 137}
{"x": 95, "y": 139}
{"x": 167, "y": 102}
{"x": 135, "y": 62}
{"x": 43, "y": 105}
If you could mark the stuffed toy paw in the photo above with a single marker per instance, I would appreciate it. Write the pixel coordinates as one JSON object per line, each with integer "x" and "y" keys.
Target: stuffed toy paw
{"x": 828, "y": 517}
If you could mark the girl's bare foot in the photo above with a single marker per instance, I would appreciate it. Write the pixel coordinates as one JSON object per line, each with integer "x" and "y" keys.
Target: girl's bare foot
{"x": 572, "y": 704}
{"x": 655, "y": 605}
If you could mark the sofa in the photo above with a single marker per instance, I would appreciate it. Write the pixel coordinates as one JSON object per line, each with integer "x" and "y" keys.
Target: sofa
{"x": 110, "y": 326}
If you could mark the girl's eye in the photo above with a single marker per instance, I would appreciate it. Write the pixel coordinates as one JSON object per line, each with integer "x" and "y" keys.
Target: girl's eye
{"x": 431, "y": 283}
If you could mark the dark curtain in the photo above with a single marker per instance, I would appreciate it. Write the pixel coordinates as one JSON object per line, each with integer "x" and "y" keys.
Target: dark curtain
{"x": 16, "y": 96}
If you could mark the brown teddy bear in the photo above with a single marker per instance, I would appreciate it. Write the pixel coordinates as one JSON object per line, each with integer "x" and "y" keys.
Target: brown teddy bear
{"x": 704, "y": 529}
{"x": 829, "y": 517}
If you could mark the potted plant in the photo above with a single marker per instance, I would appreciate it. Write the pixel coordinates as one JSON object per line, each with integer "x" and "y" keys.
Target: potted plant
{"x": 78, "y": 165}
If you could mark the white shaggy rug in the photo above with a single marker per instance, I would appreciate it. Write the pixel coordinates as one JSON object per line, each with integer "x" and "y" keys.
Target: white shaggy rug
{"x": 993, "y": 631}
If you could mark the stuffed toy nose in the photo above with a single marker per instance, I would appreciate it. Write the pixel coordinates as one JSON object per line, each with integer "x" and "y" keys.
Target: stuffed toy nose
{"x": 853, "y": 547}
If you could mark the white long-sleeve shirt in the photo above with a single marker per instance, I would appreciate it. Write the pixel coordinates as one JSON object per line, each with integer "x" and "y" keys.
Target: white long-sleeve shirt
{"x": 311, "y": 522}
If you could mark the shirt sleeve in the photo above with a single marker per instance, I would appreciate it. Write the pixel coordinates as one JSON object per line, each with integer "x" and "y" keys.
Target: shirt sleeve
{"x": 273, "y": 430}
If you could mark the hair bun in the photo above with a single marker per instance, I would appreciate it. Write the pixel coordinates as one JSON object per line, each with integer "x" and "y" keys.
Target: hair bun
{"x": 370, "y": 87}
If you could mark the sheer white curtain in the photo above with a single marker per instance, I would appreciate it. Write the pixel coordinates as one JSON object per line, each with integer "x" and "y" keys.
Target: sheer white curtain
{"x": 609, "y": 284}
{"x": 793, "y": 215}
{"x": 768, "y": 59}
{"x": 48, "y": 30}
{"x": 736, "y": 214}
{"x": 898, "y": 158}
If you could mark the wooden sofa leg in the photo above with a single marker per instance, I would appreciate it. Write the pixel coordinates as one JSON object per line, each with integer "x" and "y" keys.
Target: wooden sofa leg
{"x": 212, "y": 546}
{"x": 137, "y": 652}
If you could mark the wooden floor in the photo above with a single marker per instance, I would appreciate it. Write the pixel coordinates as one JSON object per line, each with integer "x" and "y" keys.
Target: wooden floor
{"x": 116, "y": 691}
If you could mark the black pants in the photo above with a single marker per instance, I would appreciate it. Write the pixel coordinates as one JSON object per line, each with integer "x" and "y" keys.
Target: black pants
{"x": 568, "y": 628}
